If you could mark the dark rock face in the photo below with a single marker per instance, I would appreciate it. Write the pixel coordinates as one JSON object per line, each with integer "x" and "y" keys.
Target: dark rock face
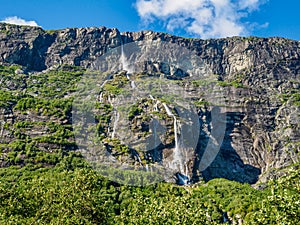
{"x": 260, "y": 77}
{"x": 38, "y": 49}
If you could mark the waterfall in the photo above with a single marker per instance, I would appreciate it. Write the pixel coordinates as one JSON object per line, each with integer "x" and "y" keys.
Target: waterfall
{"x": 101, "y": 94}
{"x": 132, "y": 83}
{"x": 126, "y": 66}
{"x": 154, "y": 132}
{"x": 2, "y": 129}
{"x": 182, "y": 179}
{"x": 117, "y": 117}
{"x": 176, "y": 135}
{"x": 101, "y": 97}
{"x": 103, "y": 84}
{"x": 177, "y": 157}
{"x": 186, "y": 168}
{"x": 110, "y": 100}
{"x": 139, "y": 158}
{"x": 178, "y": 163}
{"x": 156, "y": 104}
{"x": 124, "y": 62}
{"x": 168, "y": 110}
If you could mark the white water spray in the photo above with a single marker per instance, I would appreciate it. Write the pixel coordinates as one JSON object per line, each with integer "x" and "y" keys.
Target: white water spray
{"x": 177, "y": 157}
{"x": 2, "y": 130}
{"x": 132, "y": 83}
{"x": 101, "y": 97}
{"x": 139, "y": 158}
{"x": 156, "y": 103}
{"x": 124, "y": 61}
{"x": 117, "y": 117}
{"x": 101, "y": 94}
{"x": 126, "y": 67}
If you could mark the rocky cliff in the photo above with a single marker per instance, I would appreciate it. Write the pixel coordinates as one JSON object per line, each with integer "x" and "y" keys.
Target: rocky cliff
{"x": 259, "y": 79}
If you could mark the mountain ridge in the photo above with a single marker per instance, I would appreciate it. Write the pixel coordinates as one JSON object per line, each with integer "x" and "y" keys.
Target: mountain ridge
{"x": 57, "y": 41}
{"x": 260, "y": 77}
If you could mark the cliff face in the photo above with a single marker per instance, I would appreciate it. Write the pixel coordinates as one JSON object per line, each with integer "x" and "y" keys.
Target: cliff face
{"x": 259, "y": 76}
{"x": 38, "y": 49}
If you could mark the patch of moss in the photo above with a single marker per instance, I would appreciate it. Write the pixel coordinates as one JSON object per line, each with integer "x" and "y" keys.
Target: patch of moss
{"x": 134, "y": 111}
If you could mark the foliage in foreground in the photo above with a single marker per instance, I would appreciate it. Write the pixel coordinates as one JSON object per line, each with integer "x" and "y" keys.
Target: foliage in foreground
{"x": 73, "y": 193}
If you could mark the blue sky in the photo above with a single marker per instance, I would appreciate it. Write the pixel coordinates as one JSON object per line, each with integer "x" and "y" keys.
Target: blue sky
{"x": 189, "y": 18}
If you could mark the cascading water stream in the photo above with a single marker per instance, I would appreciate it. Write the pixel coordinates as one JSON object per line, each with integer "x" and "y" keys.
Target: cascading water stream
{"x": 151, "y": 97}
{"x": 117, "y": 117}
{"x": 182, "y": 177}
{"x": 177, "y": 153}
{"x": 132, "y": 83}
{"x": 2, "y": 130}
{"x": 126, "y": 67}
{"x": 139, "y": 158}
{"x": 124, "y": 61}
{"x": 156, "y": 104}
{"x": 168, "y": 110}
{"x": 101, "y": 97}
{"x": 147, "y": 167}
{"x": 101, "y": 94}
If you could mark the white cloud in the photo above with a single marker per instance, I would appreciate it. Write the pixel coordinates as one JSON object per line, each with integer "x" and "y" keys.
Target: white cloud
{"x": 204, "y": 18}
{"x": 19, "y": 21}
{"x": 250, "y": 4}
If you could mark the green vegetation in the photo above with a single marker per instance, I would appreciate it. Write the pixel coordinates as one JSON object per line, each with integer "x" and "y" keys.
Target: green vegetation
{"x": 134, "y": 111}
{"x": 54, "y": 107}
{"x": 293, "y": 97}
{"x": 45, "y": 100}
{"x": 115, "y": 85}
{"x": 47, "y": 182}
{"x": 73, "y": 193}
{"x": 251, "y": 39}
{"x": 7, "y": 70}
{"x": 204, "y": 82}
{"x": 56, "y": 83}
{"x": 51, "y": 31}
{"x": 112, "y": 89}
{"x": 7, "y": 98}
{"x": 234, "y": 83}
{"x": 201, "y": 103}
{"x": 5, "y": 31}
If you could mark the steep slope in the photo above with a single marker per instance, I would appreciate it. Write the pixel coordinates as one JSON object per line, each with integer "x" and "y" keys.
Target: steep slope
{"x": 259, "y": 79}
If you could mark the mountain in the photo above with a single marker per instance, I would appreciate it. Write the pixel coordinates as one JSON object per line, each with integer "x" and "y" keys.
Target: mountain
{"x": 258, "y": 79}
{"x": 93, "y": 120}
